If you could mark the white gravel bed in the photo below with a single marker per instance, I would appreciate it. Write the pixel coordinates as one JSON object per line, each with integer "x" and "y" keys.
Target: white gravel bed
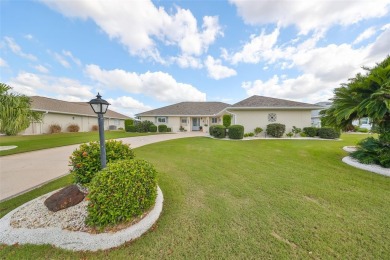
{"x": 3, "y": 148}
{"x": 33, "y": 223}
{"x": 350, "y": 149}
{"x": 368, "y": 167}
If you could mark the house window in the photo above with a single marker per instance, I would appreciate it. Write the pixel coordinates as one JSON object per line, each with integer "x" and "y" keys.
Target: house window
{"x": 214, "y": 120}
{"x": 161, "y": 119}
{"x": 183, "y": 120}
{"x": 271, "y": 117}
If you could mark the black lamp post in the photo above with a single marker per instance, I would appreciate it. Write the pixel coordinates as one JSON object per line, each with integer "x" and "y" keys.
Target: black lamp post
{"x": 100, "y": 106}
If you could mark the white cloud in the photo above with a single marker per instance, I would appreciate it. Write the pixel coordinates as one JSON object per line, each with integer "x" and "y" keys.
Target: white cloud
{"x": 3, "y": 63}
{"x": 185, "y": 61}
{"x": 29, "y": 37}
{"x": 139, "y": 24}
{"x": 15, "y": 48}
{"x": 41, "y": 69}
{"x": 60, "y": 59}
{"x": 158, "y": 85}
{"x": 260, "y": 47}
{"x": 365, "y": 35}
{"x": 310, "y": 15}
{"x": 34, "y": 84}
{"x": 305, "y": 88}
{"x": 128, "y": 105}
{"x": 73, "y": 58}
{"x": 216, "y": 70}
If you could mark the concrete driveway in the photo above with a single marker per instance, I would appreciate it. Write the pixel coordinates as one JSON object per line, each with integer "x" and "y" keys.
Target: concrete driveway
{"x": 20, "y": 173}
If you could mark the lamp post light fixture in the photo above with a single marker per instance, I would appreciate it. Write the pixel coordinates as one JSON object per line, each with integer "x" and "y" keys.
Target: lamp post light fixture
{"x": 100, "y": 106}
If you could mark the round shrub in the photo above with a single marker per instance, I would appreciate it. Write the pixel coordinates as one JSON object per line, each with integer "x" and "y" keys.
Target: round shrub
{"x": 310, "y": 131}
{"x": 328, "y": 133}
{"x": 236, "y": 132}
{"x": 162, "y": 128}
{"x": 227, "y": 120}
{"x": 169, "y": 129}
{"x": 95, "y": 128}
{"x": 275, "y": 130}
{"x": 219, "y": 131}
{"x": 73, "y": 128}
{"x": 153, "y": 128}
{"x": 211, "y": 130}
{"x": 258, "y": 130}
{"x": 123, "y": 190}
{"x": 85, "y": 161}
{"x": 55, "y": 128}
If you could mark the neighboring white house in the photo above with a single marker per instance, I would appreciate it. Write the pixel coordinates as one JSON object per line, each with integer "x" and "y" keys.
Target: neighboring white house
{"x": 66, "y": 113}
{"x": 255, "y": 111}
{"x": 315, "y": 114}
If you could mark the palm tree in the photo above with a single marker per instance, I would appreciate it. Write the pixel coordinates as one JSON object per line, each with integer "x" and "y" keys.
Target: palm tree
{"x": 15, "y": 111}
{"x": 365, "y": 96}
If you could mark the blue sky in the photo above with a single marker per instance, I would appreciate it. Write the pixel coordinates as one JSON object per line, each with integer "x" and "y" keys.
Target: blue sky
{"x": 146, "y": 54}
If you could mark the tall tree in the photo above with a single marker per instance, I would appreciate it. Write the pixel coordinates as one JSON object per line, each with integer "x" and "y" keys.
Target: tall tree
{"x": 15, "y": 111}
{"x": 365, "y": 96}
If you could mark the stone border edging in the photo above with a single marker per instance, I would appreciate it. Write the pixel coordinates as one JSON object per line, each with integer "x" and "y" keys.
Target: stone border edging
{"x": 75, "y": 240}
{"x": 5, "y": 148}
{"x": 368, "y": 167}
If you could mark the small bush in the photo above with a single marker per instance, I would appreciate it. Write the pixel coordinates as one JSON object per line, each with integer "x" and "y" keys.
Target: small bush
{"x": 144, "y": 126}
{"x": 85, "y": 161}
{"x": 227, "y": 120}
{"x": 55, "y": 128}
{"x": 153, "y": 128}
{"x": 249, "y": 134}
{"x": 95, "y": 128}
{"x": 258, "y": 130}
{"x": 131, "y": 128}
{"x": 73, "y": 128}
{"x": 372, "y": 151}
{"x": 236, "y": 132}
{"x": 182, "y": 129}
{"x": 120, "y": 128}
{"x": 169, "y": 129}
{"x": 122, "y": 191}
{"x": 362, "y": 130}
{"x": 310, "y": 131}
{"x": 219, "y": 131}
{"x": 290, "y": 134}
{"x": 275, "y": 130}
{"x": 296, "y": 130}
{"x": 303, "y": 134}
{"x": 328, "y": 133}
{"x": 211, "y": 130}
{"x": 162, "y": 128}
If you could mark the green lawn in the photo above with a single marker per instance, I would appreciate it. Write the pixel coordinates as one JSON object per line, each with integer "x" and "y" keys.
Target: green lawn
{"x": 27, "y": 143}
{"x": 262, "y": 199}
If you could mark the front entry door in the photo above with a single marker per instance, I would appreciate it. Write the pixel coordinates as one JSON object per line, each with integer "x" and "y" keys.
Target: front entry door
{"x": 195, "y": 124}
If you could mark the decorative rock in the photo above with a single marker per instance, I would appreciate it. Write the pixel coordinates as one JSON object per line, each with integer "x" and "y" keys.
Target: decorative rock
{"x": 65, "y": 198}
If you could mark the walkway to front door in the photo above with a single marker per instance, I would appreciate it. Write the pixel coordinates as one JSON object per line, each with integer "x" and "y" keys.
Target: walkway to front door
{"x": 195, "y": 124}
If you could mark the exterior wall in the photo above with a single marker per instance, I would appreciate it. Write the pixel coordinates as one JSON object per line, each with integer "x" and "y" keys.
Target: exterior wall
{"x": 175, "y": 122}
{"x": 84, "y": 122}
{"x": 251, "y": 119}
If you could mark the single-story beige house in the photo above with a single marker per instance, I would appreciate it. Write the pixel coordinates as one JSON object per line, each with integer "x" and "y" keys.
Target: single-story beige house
{"x": 255, "y": 111}
{"x": 66, "y": 113}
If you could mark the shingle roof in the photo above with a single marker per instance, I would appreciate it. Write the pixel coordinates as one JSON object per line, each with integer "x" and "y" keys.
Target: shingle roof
{"x": 188, "y": 109}
{"x": 267, "y": 102}
{"x": 75, "y": 108}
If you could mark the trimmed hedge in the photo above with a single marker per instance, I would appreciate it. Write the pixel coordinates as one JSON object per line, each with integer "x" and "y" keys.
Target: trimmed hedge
{"x": 73, "y": 128}
{"x": 328, "y": 133}
{"x": 310, "y": 131}
{"x": 227, "y": 120}
{"x": 169, "y": 129}
{"x": 144, "y": 126}
{"x": 128, "y": 125}
{"x": 120, "y": 192}
{"x": 131, "y": 128}
{"x": 162, "y": 128}
{"x": 236, "y": 132}
{"x": 153, "y": 128}
{"x": 219, "y": 131}
{"x": 85, "y": 161}
{"x": 276, "y": 129}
